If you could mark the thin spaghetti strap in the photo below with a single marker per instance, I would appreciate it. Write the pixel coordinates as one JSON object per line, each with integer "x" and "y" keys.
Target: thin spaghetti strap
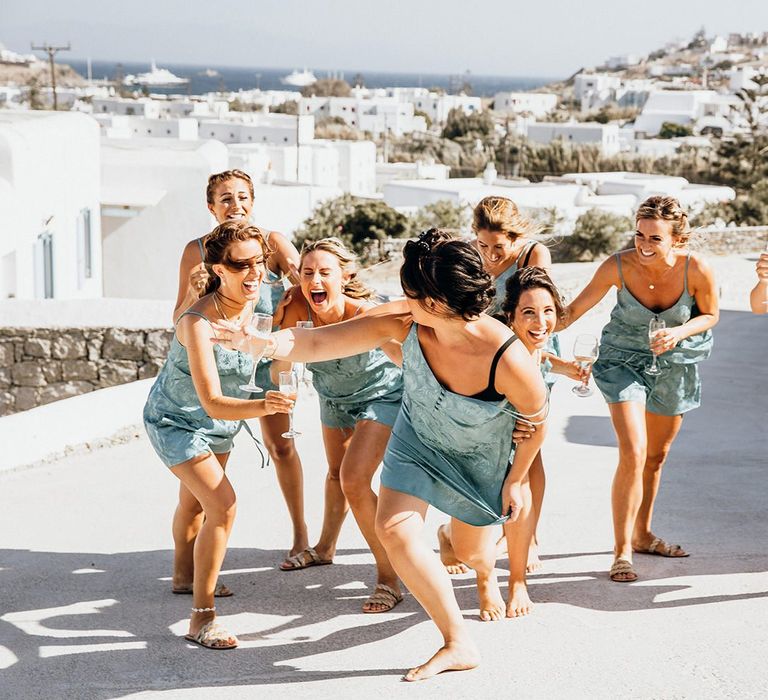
{"x": 525, "y": 249}
{"x": 202, "y": 250}
{"x": 685, "y": 274}
{"x": 195, "y": 313}
{"x": 495, "y": 361}
{"x": 618, "y": 265}
{"x": 528, "y": 254}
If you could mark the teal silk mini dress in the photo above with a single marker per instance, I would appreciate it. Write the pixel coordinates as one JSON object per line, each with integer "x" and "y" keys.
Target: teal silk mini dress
{"x": 450, "y": 450}
{"x": 177, "y": 425}
{"x": 625, "y": 353}
{"x": 367, "y": 386}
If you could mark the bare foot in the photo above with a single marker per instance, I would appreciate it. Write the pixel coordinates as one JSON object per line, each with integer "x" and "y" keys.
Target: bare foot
{"x": 447, "y": 556}
{"x": 454, "y": 656}
{"x": 534, "y": 563}
{"x": 519, "y": 602}
{"x": 491, "y": 602}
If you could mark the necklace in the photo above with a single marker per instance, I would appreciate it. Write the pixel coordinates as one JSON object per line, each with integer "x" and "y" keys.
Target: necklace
{"x": 237, "y": 319}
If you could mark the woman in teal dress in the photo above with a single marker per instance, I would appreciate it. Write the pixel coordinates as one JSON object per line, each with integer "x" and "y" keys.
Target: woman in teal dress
{"x": 194, "y": 410}
{"x": 657, "y": 279}
{"x": 504, "y": 240}
{"x": 359, "y": 398}
{"x": 229, "y": 196}
{"x": 466, "y": 381}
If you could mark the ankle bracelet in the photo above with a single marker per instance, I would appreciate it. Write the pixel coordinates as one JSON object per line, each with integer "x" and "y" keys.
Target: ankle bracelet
{"x": 200, "y": 610}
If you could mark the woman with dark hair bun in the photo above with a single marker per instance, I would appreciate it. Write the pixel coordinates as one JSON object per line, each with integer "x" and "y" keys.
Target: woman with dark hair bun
{"x": 466, "y": 381}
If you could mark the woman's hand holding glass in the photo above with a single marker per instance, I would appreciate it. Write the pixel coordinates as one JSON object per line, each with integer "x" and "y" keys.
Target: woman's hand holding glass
{"x": 585, "y": 352}
{"x": 289, "y": 386}
{"x": 257, "y": 332}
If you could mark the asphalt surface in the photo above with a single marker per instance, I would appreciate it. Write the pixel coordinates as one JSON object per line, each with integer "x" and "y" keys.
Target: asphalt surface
{"x": 85, "y": 555}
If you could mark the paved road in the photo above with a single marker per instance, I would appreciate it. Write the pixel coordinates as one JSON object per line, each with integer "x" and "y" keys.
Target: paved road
{"x": 86, "y": 609}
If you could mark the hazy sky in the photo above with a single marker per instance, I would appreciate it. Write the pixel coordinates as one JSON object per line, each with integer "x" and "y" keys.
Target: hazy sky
{"x": 551, "y": 38}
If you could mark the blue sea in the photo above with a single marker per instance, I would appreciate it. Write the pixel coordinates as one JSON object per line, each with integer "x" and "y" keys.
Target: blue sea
{"x": 233, "y": 79}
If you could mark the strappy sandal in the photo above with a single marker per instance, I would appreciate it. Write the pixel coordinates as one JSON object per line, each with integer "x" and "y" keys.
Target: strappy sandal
{"x": 383, "y": 595}
{"x": 662, "y": 549}
{"x": 303, "y": 560}
{"x": 622, "y": 571}
{"x": 221, "y": 591}
{"x": 213, "y": 636}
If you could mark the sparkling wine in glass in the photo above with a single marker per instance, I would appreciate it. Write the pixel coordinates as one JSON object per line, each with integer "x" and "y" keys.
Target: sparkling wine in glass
{"x": 585, "y": 351}
{"x": 301, "y": 368}
{"x": 657, "y": 324}
{"x": 260, "y": 326}
{"x": 289, "y": 385}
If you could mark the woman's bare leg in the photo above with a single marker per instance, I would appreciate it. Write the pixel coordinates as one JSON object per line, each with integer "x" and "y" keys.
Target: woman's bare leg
{"x": 399, "y": 524}
{"x": 361, "y": 459}
{"x": 519, "y": 534}
{"x": 207, "y": 482}
{"x": 628, "y": 420}
{"x": 187, "y": 521}
{"x": 661, "y": 431}
{"x": 477, "y": 547}
{"x": 289, "y": 475}
{"x": 538, "y": 482}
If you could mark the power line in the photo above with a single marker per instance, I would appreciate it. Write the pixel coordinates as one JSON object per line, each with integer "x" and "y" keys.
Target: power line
{"x": 52, "y": 51}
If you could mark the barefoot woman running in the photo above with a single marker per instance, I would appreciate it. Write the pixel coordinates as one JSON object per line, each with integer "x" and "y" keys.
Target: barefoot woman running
{"x": 451, "y": 444}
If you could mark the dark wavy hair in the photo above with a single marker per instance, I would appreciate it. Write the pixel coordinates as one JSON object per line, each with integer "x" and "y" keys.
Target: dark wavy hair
{"x": 440, "y": 267}
{"x": 218, "y": 243}
{"x": 530, "y": 278}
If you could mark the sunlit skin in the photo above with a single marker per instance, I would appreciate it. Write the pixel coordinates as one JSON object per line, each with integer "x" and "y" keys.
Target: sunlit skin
{"x": 654, "y": 274}
{"x": 497, "y": 249}
{"x": 322, "y": 282}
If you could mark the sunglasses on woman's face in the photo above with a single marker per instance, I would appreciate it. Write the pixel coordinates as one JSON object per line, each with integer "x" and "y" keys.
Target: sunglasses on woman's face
{"x": 249, "y": 263}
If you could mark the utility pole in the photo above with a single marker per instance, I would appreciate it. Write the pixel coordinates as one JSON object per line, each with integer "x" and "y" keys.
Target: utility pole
{"x": 52, "y": 51}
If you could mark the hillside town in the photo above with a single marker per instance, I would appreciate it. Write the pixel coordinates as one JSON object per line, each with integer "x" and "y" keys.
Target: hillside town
{"x": 124, "y": 164}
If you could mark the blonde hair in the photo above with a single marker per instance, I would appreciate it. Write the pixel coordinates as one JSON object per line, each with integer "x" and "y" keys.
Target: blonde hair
{"x": 665, "y": 208}
{"x": 501, "y": 215}
{"x": 352, "y": 287}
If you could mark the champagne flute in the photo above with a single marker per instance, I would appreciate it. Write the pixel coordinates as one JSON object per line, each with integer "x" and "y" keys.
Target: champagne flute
{"x": 657, "y": 324}
{"x": 289, "y": 385}
{"x": 301, "y": 367}
{"x": 585, "y": 351}
{"x": 260, "y": 326}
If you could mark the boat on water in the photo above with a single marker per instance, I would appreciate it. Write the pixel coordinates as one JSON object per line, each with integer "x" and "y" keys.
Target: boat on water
{"x": 210, "y": 73}
{"x": 156, "y": 77}
{"x": 299, "y": 78}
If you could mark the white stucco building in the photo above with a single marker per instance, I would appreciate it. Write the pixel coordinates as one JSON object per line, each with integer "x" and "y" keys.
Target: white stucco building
{"x": 604, "y": 136}
{"x": 537, "y": 104}
{"x": 699, "y": 109}
{"x": 50, "y": 238}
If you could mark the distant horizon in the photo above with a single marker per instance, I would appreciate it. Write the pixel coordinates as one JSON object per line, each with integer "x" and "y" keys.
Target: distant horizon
{"x": 66, "y": 58}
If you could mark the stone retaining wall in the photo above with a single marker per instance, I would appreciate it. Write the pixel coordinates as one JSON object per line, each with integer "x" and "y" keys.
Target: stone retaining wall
{"x": 41, "y": 365}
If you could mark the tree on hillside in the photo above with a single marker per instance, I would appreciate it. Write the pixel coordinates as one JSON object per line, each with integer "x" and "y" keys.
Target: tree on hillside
{"x": 442, "y": 214}
{"x": 287, "y": 107}
{"x": 356, "y": 221}
{"x": 670, "y": 130}
{"x": 597, "y": 233}
{"x": 327, "y": 87}
{"x": 474, "y": 125}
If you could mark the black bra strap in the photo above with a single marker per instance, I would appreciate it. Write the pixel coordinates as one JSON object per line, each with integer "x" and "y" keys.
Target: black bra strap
{"x": 496, "y": 358}
{"x": 528, "y": 254}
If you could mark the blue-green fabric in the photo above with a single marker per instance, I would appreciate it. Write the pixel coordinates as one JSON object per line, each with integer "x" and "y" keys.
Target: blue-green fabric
{"x": 177, "y": 424}
{"x": 449, "y": 450}
{"x": 625, "y": 353}
{"x": 368, "y": 386}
